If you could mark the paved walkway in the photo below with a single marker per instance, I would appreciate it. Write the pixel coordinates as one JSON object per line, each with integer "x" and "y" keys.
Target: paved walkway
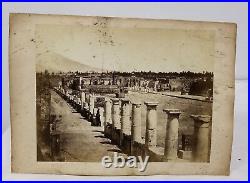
{"x": 79, "y": 140}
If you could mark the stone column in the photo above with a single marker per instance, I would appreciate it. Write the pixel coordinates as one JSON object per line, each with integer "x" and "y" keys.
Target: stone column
{"x": 80, "y": 83}
{"x": 79, "y": 101}
{"x": 116, "y": 123}
{"x": 87, "y": 97}
{"x": 171, "y": 140}
{"x": 125, "y": 119}
{"x": 91, "y": 103}
{"x": 101, "y": 111}
{"x": 94, "y": 120}
{"x": 136, "y": 128}
{"x": 87, "y": 101}
{"x": 116, "y": 113}
{"x": 108, "y": 112}
{"x": 136, "y": 122}
{"x": 108, "y": 120}
{"x": 151, "y": 125}
{"x": 82, "y": 99}
{"x": 201, "y": 138}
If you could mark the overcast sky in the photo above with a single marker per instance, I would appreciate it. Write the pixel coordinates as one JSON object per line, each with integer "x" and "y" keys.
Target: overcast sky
{"x": 134, "y": 49}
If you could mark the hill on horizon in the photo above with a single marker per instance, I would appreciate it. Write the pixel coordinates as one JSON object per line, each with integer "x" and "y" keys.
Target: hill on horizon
{"x": 53, "y": 62}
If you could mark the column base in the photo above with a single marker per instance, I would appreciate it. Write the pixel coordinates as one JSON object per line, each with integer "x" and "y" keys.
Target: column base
{"x": 108, "y": 130}
{"x": 156, "y": 154}
{"x": 186, "y": 155}
{"x": 116, "y": 136}
{"x": 138, "y": 149}
{"x": 125, "y": 143}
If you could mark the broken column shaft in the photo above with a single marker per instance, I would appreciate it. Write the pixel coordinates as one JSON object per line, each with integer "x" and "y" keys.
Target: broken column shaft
{"x": 172, "y": 128}
{"x": 201, "y": 138}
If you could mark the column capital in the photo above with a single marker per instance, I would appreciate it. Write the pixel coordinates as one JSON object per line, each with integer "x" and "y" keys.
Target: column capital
{"x": 147, "y": 103}
{"x": 115, "y": 101}
{"x": 125, "y": 101}
{"x": 172, "y": 111}
{"x": 151, "y": 105}
{"x": 201, "y": 121}
{"x": 107, "y": 100}
{"x": 201, "y": 118}
{"x": 136, "y": 103}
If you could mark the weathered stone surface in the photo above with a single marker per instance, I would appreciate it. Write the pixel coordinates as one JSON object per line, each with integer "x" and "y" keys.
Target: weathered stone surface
{"x": 171, "y": 139}
{"x": 201, "y": 138}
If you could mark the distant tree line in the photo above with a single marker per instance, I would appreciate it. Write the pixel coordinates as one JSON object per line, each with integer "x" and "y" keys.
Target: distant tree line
{"x": 150, "y": 74}
{"x": 144, "y": 74}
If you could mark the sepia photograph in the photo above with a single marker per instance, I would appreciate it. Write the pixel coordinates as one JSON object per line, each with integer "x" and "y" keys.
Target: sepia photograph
{"x": 93, "y": 95}
{"x": 136, "y": 92}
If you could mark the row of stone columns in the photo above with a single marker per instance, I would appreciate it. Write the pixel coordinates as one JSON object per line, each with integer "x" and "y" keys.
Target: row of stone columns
{"x": 120, "y": 120}
{"x": 84, "y": 103}
{"x": 123, "y": 130}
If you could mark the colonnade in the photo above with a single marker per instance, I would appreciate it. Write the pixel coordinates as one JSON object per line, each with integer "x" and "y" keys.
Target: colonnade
{"x": 122, "y": 122}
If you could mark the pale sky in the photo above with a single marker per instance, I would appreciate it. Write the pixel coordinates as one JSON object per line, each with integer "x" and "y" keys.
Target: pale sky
{"x": 133, "y": 49}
